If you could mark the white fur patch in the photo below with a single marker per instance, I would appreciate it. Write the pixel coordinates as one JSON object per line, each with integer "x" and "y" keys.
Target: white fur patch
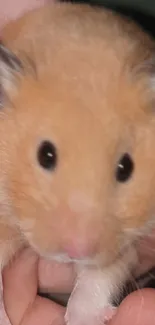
{"x": 94, "y": 290}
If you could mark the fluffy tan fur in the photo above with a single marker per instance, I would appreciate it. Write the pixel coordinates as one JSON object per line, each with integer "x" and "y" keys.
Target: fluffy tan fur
{"x": 87, "y": 86}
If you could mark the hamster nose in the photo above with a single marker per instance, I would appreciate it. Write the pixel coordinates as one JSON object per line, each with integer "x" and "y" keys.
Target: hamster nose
{"x": 80, "y": 250}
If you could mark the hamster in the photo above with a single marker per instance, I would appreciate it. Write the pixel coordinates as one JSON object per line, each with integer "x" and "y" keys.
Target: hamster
{"x": 77, "y": 135}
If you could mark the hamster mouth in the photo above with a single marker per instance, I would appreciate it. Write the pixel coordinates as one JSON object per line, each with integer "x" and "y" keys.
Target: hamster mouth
{"x": 64, "y": 258}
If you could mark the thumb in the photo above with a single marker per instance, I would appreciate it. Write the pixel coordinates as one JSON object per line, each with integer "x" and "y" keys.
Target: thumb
{"x": 136, "y": 309}
{"x": 20, "y": 285}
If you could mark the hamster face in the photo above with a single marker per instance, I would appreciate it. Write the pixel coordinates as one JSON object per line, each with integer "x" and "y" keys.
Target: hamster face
{"x": 77, "y": 140}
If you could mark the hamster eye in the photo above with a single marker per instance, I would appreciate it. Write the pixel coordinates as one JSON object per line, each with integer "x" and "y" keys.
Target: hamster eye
{"x": 124, "y": 168}
{"x": 47, "y": 156}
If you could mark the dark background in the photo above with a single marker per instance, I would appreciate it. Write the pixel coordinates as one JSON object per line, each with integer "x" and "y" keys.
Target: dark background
{"x": 142, "y": 11}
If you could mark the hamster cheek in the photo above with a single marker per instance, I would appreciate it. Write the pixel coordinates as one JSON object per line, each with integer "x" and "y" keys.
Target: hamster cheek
{"x": 10, "y": 243}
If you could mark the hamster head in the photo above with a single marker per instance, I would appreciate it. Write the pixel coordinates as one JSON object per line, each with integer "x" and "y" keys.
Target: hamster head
{"x": 77, "y": 132}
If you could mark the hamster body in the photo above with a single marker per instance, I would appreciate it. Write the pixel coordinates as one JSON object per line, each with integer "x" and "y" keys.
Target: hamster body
{"x": 77, "y": 134}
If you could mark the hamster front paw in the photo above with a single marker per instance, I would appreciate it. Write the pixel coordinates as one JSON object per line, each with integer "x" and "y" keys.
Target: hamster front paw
{"x": 89, "y": 302}
{"x": 79, "y": 314}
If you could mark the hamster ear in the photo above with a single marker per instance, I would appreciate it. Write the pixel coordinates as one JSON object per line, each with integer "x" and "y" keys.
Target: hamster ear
{"x": 10, "y": 67}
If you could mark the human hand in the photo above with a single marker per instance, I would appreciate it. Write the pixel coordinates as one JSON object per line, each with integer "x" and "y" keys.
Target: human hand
{"x": 22, "y": 278}
{"x": 136, "y": 309}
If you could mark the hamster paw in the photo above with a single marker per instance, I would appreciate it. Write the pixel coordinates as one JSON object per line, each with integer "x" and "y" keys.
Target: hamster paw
{"x": 107, "y": 314}
{"x": 83, "y": 316}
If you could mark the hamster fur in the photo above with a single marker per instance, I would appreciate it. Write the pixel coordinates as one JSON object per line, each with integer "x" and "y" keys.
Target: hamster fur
{"x": 77, "y": 135}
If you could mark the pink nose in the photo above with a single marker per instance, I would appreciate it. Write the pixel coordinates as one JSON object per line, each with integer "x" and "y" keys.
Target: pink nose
{"x": 79, "y": 250}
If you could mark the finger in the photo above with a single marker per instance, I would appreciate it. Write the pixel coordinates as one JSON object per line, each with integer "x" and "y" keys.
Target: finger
{"x": 43, "y": 311}
{"x": 20, "y": 285}
{"x": 136, "y": 309}
{"x": 55, "y": 277}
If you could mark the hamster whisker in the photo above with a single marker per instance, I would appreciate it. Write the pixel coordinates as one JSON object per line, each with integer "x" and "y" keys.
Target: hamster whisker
{"x": 128, "y": 287}
{"x": 25, "y": 198}
{"x": 149, "y": 250}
